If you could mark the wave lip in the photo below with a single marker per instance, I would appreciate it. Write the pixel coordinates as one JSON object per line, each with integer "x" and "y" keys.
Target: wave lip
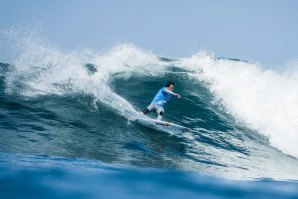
{"x": 262, "y": 99}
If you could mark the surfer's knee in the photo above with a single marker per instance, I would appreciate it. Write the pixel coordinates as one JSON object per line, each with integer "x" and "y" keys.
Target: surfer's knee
{"x": 146, "y": 110}
{"x": 160, "y": 111}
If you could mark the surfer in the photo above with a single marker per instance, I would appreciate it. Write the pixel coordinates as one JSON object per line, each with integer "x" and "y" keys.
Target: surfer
{"x": 161, "y": 98}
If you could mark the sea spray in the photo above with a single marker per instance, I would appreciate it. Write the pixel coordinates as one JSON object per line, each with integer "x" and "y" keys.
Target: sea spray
{"x": 262, "y": 99}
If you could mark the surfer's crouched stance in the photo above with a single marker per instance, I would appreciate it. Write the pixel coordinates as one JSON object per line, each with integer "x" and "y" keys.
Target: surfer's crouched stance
{"x": 161, "y": 98}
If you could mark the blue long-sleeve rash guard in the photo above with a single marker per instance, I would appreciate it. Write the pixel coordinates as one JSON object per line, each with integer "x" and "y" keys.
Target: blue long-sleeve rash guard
{"x": 162, "y": 97}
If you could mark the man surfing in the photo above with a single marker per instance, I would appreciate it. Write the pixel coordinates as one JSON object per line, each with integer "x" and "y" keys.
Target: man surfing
{"x": 161, "y": 98}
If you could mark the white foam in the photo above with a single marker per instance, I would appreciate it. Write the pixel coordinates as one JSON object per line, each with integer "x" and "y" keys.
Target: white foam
{"x": 42, "y": 69}
{"x": 263, "y": 99}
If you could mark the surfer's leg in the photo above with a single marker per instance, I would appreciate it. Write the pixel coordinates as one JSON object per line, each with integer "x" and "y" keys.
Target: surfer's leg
{"x": 145, "y": 111}
{"x": 148, "y": 109}
{"x": 160, "y": 111}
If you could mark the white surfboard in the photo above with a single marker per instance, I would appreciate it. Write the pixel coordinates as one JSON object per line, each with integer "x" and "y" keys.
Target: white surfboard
{"x": 163, "y": 126}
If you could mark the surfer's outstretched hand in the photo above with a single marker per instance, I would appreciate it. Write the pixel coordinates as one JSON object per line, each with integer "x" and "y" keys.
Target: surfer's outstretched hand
{"x": 177, "y": 95}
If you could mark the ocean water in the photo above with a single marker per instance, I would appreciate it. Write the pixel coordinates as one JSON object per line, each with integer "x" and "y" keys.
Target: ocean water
{"x": 65, "y": 132}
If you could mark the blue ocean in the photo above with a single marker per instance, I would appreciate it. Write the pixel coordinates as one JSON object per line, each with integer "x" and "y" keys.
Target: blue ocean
{"x": 65, "y": 131}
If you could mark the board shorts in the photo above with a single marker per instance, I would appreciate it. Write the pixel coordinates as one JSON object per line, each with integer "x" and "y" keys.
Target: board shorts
{"x": 158, "y": 109}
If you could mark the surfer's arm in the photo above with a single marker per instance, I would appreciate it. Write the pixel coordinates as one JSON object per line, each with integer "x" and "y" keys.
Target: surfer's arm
{"x": 172, "y": 93}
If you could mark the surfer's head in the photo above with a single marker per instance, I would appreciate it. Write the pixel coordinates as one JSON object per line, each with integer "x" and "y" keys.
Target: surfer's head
{"x": 170, "y": 85}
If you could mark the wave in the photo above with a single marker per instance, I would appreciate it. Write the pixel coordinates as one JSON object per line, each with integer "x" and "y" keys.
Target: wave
{"x": 262, "y": 99}
{"x": 226, "y": 102}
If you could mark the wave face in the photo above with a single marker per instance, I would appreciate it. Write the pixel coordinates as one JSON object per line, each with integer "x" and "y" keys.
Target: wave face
{"x": 243, "y": 118}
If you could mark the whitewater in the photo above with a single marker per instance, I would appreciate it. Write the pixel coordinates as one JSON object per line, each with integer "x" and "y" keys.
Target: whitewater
{"x": 70, "y": 109}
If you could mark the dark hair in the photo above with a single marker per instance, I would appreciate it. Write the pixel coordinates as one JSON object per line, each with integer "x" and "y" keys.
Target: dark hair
{"x": 170, "y": 83}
